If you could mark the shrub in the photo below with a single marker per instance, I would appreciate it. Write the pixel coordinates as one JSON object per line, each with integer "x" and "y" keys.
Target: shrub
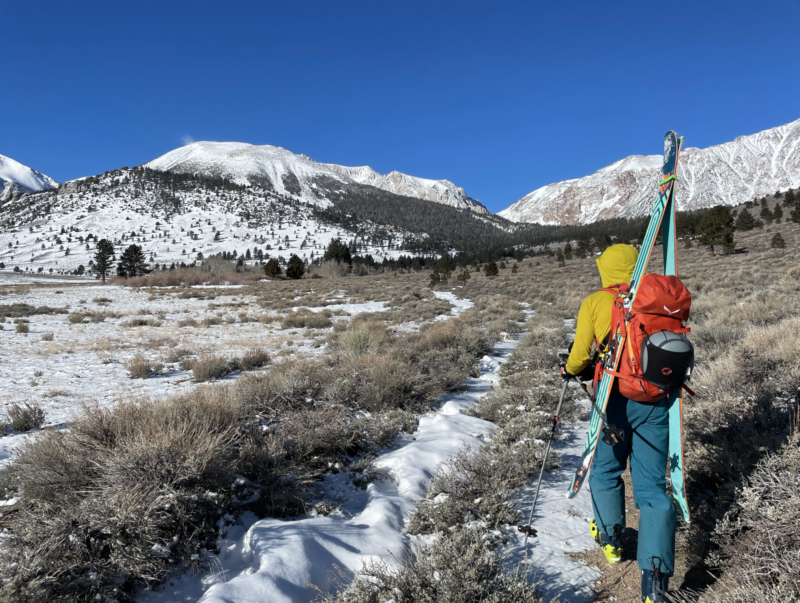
{"x": 362, "y": 338}
{"x": 255, "y": 358}
{"x": 209, "y": 321}
{"x": 24, "y": 417}
{"x": 75, "y": 318}
{"x": 141, "y": 322}
{"x": 47, "y": 336}
{"x": 141, "y": 368}
{"x": 187, "y": 322}
{"x": 177, "y": 354}
{"x": 778, "y": 242}
{"x": 459, "y": 566}
{"x": 759, "y": 537}
{"x": 160, "y": 469}
{"x": 22, "y": 327}
{"x": 210, "y": 367}
{"x": 305, "y": 319}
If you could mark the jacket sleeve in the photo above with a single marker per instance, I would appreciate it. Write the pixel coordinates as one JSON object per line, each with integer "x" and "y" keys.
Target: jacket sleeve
{"x": 584, "y": 336}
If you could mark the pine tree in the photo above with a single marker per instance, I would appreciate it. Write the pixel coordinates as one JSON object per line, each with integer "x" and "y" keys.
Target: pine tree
{"x": 295, "y": 268}
{"x": 585, "y": 245}
{"x": 778, "y": 242}
{"x": 568, "y": 251}
{"x": 766, "y": 215}
{"x": 491, "y": 269}
{"x": 716, "y": 229}
{"x": 795, "y": 215}
{"x": 745, "y": 221}
{"x": 514, "y": 269}
{"x": 777, "y": 213}
{"x": 132, "y": 262}
{"x": 104, "y": 258}
{"x": 338, "y": 252}
{"x": 560, "y": 257}
{"x": 272, "y": 268}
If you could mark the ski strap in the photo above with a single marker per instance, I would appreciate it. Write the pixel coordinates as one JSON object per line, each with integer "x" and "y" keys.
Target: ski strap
{"x": 667, "y": 179}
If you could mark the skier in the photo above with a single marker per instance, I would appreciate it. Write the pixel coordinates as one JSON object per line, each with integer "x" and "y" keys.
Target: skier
{"x": 646, "y": 440}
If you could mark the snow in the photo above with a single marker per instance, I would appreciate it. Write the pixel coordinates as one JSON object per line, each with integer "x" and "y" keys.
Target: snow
{"x": 250, "y": 164}
{"x": 275, "y": 560}
{"x": 459, "y": 304}
{"x": 562, "y": 525}
{"x": 280, "y": 231}
{"x": 30, "y": 180}
{"x": 726, "y": 174}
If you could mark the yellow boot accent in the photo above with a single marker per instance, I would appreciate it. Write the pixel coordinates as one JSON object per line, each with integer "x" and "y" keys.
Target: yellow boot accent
{"x": 595, "y": 532}
{"x": 613, "y": 553}
{"x": 648, "y": 600}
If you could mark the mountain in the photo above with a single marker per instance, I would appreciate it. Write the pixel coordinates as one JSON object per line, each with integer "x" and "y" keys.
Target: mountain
{"x": 299, "y": 176}
{"x": 726, "y": 174}
{"x": 175, "y": 218}
{"x": 17, "y": 179}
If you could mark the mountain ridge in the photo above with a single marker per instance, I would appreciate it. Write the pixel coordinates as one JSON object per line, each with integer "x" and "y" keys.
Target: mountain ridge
{"x": 288, "y": 173}
{"x": 17, "y": 179}
{"x": 730, "y": 173}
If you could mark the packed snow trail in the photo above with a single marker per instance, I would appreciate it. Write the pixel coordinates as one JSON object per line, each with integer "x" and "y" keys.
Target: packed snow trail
{"x": 275, "y": 560}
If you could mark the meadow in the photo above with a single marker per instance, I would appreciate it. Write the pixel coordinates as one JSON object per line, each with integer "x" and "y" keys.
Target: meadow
{"x": 142, "y": 420}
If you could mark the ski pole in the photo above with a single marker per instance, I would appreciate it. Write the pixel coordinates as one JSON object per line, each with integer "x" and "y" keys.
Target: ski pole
{"x": 527, "y": 529}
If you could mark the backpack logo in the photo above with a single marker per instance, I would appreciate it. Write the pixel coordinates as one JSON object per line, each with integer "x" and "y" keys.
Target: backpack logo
{"x": 671, "y": 311}
{"x": 666, "y": 371}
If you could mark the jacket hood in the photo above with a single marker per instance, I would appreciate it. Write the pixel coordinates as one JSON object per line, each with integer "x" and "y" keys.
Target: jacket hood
{"x": 616, "y": 264}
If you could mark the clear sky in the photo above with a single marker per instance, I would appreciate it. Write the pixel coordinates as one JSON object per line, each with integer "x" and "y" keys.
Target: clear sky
{"x": 499, "y": 97}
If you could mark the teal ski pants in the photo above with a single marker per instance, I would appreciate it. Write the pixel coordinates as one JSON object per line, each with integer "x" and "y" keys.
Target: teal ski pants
{"x": 646, "y": 441}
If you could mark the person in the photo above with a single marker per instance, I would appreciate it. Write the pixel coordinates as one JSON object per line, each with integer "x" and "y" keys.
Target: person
{"x": 646, "y": 439}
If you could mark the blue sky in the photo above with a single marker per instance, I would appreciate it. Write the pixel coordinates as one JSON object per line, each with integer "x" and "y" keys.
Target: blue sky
{"x": 499, "y": 97}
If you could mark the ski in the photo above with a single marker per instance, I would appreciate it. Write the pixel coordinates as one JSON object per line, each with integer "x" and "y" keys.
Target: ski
{"x": 664, "y": 207}
{"x": 669, "y": 238}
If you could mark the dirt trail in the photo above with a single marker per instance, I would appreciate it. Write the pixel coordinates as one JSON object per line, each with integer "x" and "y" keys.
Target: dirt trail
{"x": 621, "y": 583}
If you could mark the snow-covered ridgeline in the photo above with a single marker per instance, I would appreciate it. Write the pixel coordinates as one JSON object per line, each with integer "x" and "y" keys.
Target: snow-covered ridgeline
{"x": 292, "y": 174}
{"x": 16, "y": 178}
{"x": 727, "y": 174}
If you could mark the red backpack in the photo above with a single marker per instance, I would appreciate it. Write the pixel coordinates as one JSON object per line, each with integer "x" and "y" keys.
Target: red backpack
{"x": 654, "y": 356}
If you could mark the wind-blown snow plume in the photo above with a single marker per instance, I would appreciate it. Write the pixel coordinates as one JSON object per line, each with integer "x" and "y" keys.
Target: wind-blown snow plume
{"x": 18, "y": 178}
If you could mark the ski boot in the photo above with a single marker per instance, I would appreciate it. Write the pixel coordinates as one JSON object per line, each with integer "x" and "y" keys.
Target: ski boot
{"x": 654, "y": 584}
{"x": 612, "y": 546}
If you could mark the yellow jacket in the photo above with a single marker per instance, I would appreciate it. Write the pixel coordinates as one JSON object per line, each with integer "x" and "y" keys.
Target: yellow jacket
{"x": 594, "y": 318}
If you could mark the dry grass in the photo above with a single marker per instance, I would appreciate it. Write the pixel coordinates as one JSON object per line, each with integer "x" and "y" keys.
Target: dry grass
{"x": 306, "y": 319}
{"x": 24, "y": 416}
{"x": 140, "y": 367}
{"x": 255, "y": 358}
{"x": 141, "y": 322}
{"x": 455, "y": 569}
{"x": 210, "y": 367}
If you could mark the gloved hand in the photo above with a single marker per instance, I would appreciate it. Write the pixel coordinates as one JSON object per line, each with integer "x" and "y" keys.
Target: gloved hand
{"x": 562, "y": 370}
